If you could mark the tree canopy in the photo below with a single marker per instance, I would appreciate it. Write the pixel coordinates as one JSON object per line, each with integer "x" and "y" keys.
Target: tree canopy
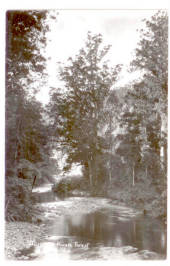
{"x": 88, "y": 80}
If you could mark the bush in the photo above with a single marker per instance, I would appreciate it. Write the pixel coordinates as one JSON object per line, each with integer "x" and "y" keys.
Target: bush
{"x": 18, "y": 191}
{"x": 70, "y": 183}
{"x": 99, "y": 190}
{"x": 158, "y": 207}
{"x": 143, "y": 196}
{"x": 18, "y": 199}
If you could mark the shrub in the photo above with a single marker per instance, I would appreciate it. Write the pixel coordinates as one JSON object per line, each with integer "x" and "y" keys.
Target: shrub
{"x": 67, "y": 184}
{"x": 18, "y": 199}
{"x": 18, "y": 191}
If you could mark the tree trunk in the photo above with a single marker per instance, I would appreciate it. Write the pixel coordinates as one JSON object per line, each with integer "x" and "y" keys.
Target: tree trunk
{"x": 110, "y": 143}
{"x": 146, "y": 172}
{"x": 90, "y": 173}
{"x": 165, "y": 157}
{"x": 110, "y": 176}
{"x": 34, "y": 181}
{"x": 18, "y": 143}
{"x": 163, "y": 148}
{"x": 109, "y": 171}
{"x": 133, "y": 176}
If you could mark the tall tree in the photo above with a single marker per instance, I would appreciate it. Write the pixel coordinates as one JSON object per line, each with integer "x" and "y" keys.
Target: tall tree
{"x": 88, "y": 80}
{"x": 26, "y": 133}
{"x": 152, "y": 59}
{"x": 25, "y": 36}
{"x": 147, "y": 111}
{"x": 130, "y": 145}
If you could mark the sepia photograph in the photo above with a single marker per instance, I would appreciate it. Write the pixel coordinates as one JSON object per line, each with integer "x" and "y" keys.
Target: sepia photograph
{"x": 86, "y": 111}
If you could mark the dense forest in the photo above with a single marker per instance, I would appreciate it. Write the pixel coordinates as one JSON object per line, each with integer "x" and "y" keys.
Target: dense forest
{"x": 118, "y": 135}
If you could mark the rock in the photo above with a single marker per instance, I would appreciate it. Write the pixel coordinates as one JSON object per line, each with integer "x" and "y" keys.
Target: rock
{"x": 129, "y": 250}
{"x": 146, "y": 254}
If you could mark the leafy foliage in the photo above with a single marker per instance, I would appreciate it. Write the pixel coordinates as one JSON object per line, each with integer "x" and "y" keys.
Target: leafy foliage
{"x": 18, "y": 199}
{"x": 79, "y": 114}
{"x": 142, "y": 143}
{"x": 26, "y": 132}
{"x": 66, "y": 185}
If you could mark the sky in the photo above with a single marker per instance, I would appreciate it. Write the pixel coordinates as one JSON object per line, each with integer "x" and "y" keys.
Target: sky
{"x": 69, "y": 31}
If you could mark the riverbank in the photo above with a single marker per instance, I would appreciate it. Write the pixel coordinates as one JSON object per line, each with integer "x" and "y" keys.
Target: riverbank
{"x": 19, "y": 236}
{"x": 80, "y": 205}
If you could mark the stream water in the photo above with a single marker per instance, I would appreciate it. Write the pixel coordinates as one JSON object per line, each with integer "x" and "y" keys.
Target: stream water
{"x": 102, "y": 234}
{"x": 110, "y": 230}
{"x": 83, "y": 233}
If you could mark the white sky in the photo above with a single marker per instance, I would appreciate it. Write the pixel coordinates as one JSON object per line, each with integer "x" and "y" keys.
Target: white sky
{"x": 69, "y": 32}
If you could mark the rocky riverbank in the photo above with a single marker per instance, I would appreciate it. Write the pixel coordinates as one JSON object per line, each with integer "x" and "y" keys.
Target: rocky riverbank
{"x": 19, "y": 236}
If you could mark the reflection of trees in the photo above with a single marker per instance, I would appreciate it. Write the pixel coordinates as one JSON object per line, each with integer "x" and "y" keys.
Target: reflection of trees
{"x": 163, "y": 240}
{"x": 149, "y": 234}
{"x": 101, "y": 229}
{"x": 118, "y": 241}
{"x": 59, "y": 227}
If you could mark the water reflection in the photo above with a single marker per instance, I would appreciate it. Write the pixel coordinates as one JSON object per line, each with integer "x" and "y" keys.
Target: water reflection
{"x": 101, "y": 229}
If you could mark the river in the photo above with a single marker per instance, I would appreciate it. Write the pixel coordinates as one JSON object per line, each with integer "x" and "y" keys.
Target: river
{"x": 105, "y": 231}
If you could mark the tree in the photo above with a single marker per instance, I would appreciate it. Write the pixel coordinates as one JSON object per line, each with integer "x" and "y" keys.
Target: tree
{"x": 26, "y": 133}
{"x": 145, "y": 136}
{"x": 151, "y": 92}
{"x": 130, "y": 146}
{"x": 25, "y": 36}
{"x": 112, "y": 109}
{"x": 152, "y": 53}
{"x": 152, "y": 58}
{"x": 80, "y": 111}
